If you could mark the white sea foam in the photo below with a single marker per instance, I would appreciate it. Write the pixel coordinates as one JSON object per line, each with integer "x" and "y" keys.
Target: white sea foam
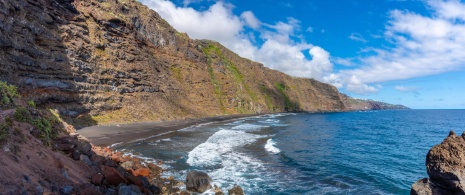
{"x": 115, "y": 144}
{"x": 270, "y": 146}
{"x": 221, "y": 151}
{"x": 248, "y": 127}
{"x": 221, "y": 143}
{"x": 146, "y": 138}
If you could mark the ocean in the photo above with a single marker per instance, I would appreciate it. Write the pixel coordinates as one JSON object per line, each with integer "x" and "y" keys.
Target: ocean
{"x": 373, "y": 152}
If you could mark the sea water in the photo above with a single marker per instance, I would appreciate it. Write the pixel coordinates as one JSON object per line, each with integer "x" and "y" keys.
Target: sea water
{"x": 373, "y": 152}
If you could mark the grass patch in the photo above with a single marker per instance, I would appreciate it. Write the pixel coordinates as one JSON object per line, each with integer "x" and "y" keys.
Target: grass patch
{"x": 31, "y": 103}
{"x": 8, "y": 94}
{"x": 218, "y": 92}
{"x": 176, "y": 72}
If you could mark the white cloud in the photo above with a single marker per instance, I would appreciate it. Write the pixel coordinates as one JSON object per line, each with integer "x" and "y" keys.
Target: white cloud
{"x": 279, "y": 49}
{"x": 357, "y": 37}
{"x": 424, "y": 45}
{"x": 310, "y": 29}
{"x": 250, "y": 19}
{"x": 406, "y": 89}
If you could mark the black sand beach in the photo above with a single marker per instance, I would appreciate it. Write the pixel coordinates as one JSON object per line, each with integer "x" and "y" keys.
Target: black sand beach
{"x": 107, "y": 135}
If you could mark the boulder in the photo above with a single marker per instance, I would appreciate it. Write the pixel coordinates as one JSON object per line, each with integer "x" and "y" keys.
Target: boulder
{"x": 85, "y": 159}
{"x": 96, "y": 179}
{"x": 145, "y": 172}
{"x": 426, "y": 187}
{"x": 83, "y": 146}
{"x": 197, "y": 181}
{"x": 445, "y": 165}
{"x": 127, "y": 165}
{"x": 65, "y": 144}
{"x": 128, "y": 190}
{"x": 236, "y": 190}
{"x": 113, "y": 176}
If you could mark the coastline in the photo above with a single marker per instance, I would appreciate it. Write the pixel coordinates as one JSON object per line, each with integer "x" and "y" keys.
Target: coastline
{"x": 107, "y": 135}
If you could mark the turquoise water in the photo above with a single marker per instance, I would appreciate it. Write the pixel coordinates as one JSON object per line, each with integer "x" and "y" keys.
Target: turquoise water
{"x": 375, "y": 152}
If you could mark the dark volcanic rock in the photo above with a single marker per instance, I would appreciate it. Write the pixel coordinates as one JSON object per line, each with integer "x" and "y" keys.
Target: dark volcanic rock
{"x": 236, "y": 190}
{"x": 445, "y": 164}
{"x": 113, "y": 176}
{"x": 197, "y": 181}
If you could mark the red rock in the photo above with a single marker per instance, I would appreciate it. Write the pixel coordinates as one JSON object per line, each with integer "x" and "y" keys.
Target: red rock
{"x": 96, "y": 179}
{"x": 88, "y": 189}
{"x": 113, "y": 176}
{"x": 116, "y": 158}
{"x": 145, "y": 172}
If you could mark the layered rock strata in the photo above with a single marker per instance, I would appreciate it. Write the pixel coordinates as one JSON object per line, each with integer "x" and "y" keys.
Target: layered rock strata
{"x": 118, "y": 61}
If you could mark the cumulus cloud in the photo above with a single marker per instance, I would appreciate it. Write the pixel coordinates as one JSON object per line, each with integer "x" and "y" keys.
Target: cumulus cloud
{"x": 250, "y": 19}
{"x": 279, "y": 49}
{"x": 424, "y": 45}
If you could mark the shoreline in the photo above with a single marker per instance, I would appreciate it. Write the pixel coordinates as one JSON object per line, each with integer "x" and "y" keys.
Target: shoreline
{"x": 107, "y": 135}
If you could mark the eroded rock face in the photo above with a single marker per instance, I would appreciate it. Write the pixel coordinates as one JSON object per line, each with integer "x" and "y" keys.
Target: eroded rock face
{"x": 197, "y": 181}
{"x": 122, "y": 60}
{"x": 445, "y": 164}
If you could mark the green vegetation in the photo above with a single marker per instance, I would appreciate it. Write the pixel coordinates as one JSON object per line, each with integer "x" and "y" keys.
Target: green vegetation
{"x": 8, "y": 94}
{"x": 4, "y": 132}
{"x": 45, "y": 128}
{"x": 22, "y": 114}
{"x": 212, "y": 49}
{"x": 288, "y": 104}
{"x": 31, "y": 103}
{"x": 176, "y": 71}
{"x": 207, "y": 51}
{"x": 43, "y": 124}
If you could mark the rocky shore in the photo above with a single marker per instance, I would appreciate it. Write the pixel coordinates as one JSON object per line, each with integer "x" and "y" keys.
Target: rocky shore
{"x": 445, "y": 165}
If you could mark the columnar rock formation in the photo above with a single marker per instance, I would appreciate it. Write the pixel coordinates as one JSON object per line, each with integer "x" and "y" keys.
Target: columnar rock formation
{"x": 445, "y": 164}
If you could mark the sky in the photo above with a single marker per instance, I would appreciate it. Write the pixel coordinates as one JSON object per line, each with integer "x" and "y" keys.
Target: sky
{"x": 409, "y": 52}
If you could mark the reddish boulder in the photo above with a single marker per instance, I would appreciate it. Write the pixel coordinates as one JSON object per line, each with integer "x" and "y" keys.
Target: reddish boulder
{"x": 145, "y": 172}
{"x": 96, "y": 179}
{"x": 113, "y": 176}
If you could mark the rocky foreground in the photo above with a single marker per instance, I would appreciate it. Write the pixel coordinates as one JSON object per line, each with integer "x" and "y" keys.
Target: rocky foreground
{"x": 445, "y": 164}
{"x": 42, "y": 154}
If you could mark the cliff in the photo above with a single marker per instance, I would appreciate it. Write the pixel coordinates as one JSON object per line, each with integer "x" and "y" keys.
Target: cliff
{"x": 354, "y": 104}
{"x": 117, "y": 61}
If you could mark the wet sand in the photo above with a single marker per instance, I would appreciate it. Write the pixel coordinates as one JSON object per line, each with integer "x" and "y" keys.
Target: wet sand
{"x": 108, "y": 135}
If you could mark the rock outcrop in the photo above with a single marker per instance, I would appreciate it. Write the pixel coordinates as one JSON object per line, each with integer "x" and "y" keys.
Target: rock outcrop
{"x": 445, "y": 165}
{"x": 197, "y": 181}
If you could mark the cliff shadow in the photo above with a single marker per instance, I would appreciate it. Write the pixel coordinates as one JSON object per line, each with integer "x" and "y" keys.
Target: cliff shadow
{"x": 36, "y": 59}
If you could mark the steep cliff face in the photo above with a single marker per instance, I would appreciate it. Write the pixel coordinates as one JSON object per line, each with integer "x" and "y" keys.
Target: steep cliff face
{"x": 118, "y": 61}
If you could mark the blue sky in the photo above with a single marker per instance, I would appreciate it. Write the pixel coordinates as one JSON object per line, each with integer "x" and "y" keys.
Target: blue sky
{"x": 409, "y": 52}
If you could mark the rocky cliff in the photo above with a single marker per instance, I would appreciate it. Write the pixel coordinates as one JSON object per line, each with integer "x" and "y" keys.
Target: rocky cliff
{"x": 366, "y": 104}
{"x": 445, "y": 165}
{"x": 118, "y": 61}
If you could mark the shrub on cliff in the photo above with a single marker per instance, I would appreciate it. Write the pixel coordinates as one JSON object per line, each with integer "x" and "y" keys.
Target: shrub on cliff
{"x": 4, "y": 131}
{"x": 8, "y": 94}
